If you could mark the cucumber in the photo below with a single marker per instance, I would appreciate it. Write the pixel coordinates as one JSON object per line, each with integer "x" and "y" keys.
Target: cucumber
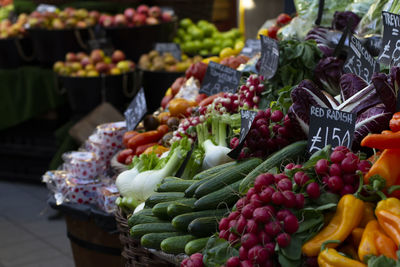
{"x": 213, "y": 170}
{"x": 160, "y": 209}
{"x": 225, "y": 197}
{"x": 289, "y": 152}
{"x": 163, "y": 197}
{"x": 189, "y": 192}
{"x": 204, "y": 226}
{"x": 141, "y": 219}
{"x": 182, "y": 221}
{"x": 140, "y": 230}
{"x": 176, "y": 244}
{"x": 153, "y": 240}
{"x": 146, "y": 212}
{"x": 176, "y": 209}
{"x": 196, "y": 245}
{"x": 175, "y": 186}
{"x": 170, "y": 179}
{"x": 228, "y": 176}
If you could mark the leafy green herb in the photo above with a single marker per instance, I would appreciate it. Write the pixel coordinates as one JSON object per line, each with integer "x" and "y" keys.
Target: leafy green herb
{"x": 218, "y": 251}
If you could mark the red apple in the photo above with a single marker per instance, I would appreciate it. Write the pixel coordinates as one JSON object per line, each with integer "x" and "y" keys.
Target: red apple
{"x": 117, "y": 56}
{"x": 151, "y": 21}
{"x": 85, "y": 61}
{"x": 155, "y": 12}
{"x": 96, "y": 56}
{"x": 143, "y": 9}
{"x": 102, "y": 18}
{"x": 81, "y": 55}
{"x": 102, "y": 67}
{"x": 70, "y": 57}
{"x": 139, "y": 19}
{"x": 108, "y": 21}
{"x": 120, "y": 20}
{"x": 94, "y": 14}
{"x": 111, "y": 66}
{"x": 131, "y": 64}
{"x": 166, "y": 16}
{"x": 129, "y": 13}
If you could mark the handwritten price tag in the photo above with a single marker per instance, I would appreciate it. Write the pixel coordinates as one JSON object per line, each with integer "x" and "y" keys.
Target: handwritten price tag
{"x": 330, "y": 127}
{"x": 136, "y": 110}
{"x": 251, "y": 47}
{"x": 359, "y": 61}
{"x": 220, "y": 78}
{"x": 390, "y": 50}
{"x": 247, "y": 118}
{"x": 172, "y": 48}
{"x": 269, "y": 57}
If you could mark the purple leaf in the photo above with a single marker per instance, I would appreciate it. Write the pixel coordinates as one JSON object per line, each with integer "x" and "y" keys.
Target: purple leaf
{"x": 341, "y": 19}
{"x": 385, "y": 90}
{"x": 328, "y": 73}
{"x": 350, "y": 84}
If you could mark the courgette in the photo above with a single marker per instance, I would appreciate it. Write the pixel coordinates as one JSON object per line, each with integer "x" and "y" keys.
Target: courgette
{"x": 141, "y": 219}
{"x": 153, "y": 240}
{"x": 182, "y": 221}
{"x": 175, "y": 186}
{"x": 171, "y": 179}
{"x": 289, "y": 152}
{"x": 204, "y": 226}
{"x": 225, "y": 197}
{"x": 156, "y": 198}
{"x": 228, "y": 176}
{"x": 140, "y": 230}
{"x": 161, "y": 209}
{"x": 196, "y": 245}
{"x": 213, "y": 170}
{"x": 176, "y": 244}
{"x": 176, "y": 208}
{"x": 189, "y": 192}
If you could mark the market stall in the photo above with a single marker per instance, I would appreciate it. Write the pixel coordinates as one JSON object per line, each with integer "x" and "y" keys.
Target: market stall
{"x": 276, "y": 150}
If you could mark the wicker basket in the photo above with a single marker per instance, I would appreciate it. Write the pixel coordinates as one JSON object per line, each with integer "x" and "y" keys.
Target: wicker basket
{"x": 134, "y": 254}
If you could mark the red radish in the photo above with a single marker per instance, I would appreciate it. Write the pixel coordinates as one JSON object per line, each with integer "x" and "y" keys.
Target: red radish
{"x": 246, "y": 263}
{"x": 313, "y": 190}
{"x": 197, "y": 260}
{"x": 264, "y": 238}
{"x": 233, "y": 262}
{"x": 233, "y": 215}
{"x": 335, "y": 183}
{"x": 248, "y": 210}
{"x": 277, "y": 116}
{"x": 337, "y": 156}
{"x": 349, "y": 178}
{"x": 270, "y": 247}
{"x": 253, "y": 253}
{"x": 282, "y": 214}
{"x": 300, "y": 201}
{"x": 289, "y": 166}
{"x": 311, "y": 262}
{"x": 349, "y": 165}
{"x": 335, "y": 170}
{"x": 251, "y": 192}
{"x": 352, "y": 156}
{"x": 289, "y": 199}
{"x": 364, "y": 166}
{"x": 256, "y": 201}
{"x": 347, "y": 189}
{"x": 224, "y": 234}
{"x": 223, "y": 224}
{"x": 261, "y": 215}
{"x": 279, "y": 177}
{"x": 234, "y": 142}
{"x": 341, "y": 149}
{"x": 270, "y": 209}
{"x": 251, "y": 226}
{"x": 262, "y": 255}
{"x": 249, "y": 240}
{"x": 272, "y": 228}
{"x": 232, "y": 224}
{"x": 264, "y": 131}
{"x": 321, "y": 167}
{"x": 290, "y": 224}
{"x": 262, "y": 181}
{"x": 300, "y": 178}
{"x": 298, "y": 166}
{"x": 241, "y": 203}
{"x": 233, "y": 239}
{"x": 277, "y": 198}
{"x": 284, "y": 184}
{"x": 275, "y": 128}
{"x": 243, "y": 253}
{"x": 241, "y": 224}
{"x": 185, "y": 262}
{"x": 266, "y": 194}
{"x": 283, "y": 240}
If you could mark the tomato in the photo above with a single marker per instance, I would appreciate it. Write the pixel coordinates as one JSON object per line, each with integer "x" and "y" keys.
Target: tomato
{"x": 178, "y": 106}
{"x": 197, "y": 70}
{"x": 165, "y": 100}
{"x": 176, "y": 86}
{"x": 272, "y": 31}
{"x": 122, "y": 156}
{"x": 283, "y": 19}
{"x": 163, "y": 129}
{"x": 128, "y": 135}
{"x": 200, "y": 97}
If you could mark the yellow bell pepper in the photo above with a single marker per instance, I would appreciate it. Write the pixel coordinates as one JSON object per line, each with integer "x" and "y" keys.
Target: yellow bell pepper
{"x": 331, "y": 258}
{"x": 347, "y": 217}
{"x": 356, "y": 236}
{"x": 368, "y": 214}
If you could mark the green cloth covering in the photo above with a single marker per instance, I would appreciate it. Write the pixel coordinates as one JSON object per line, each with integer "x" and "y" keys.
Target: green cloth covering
{"x": 26, "y": 92}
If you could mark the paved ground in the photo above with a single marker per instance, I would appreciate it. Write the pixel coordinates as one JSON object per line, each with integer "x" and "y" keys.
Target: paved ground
{"x": 31, "y": 233}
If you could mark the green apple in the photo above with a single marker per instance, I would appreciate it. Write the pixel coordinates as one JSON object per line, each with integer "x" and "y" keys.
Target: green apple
{"x": 123, "y": 66}
{"x": 215, "y": 50}
{"x": 185, "y": 23}
{"x": 227, "y": 43}
{"x": 208, "y": 43}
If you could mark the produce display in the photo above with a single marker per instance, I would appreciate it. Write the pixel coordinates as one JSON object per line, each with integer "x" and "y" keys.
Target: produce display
{"x": 12, "y": 30}
{"x": 93, "y": 65}
{"x": 153, "y": 61}
{"x": 234, "y": 178}
{"x": 143, "y": 15}
{"x": 203, "y": 38}
{"x": 63, "y": 19}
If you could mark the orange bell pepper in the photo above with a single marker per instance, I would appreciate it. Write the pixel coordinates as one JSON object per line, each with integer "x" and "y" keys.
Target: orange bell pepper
{"x": 394, "y": 123}
{"x": 158, "y": 149}
{"x": 387, "y": 166}
{"x": 356, "y": 236}
{"x": 388, "y": 213}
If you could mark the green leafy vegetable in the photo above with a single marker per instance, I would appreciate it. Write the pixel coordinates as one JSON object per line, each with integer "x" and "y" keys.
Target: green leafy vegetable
{"x": 217, "y": 252}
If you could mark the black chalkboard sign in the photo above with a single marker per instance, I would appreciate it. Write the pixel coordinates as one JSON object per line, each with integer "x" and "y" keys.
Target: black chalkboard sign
{"x": 359, "y": 61}
{"x": 172, "y": 48}
{"x": 247, "y": 118}
{"x": 103, "y": 44}
{"x": 390, "y": 50}
{"x": 136, "y": 110}
{"x": 269, "y": 57}
{"x": 251, "y": 47}
{"x": 220, "y": 78}
{"x": 330, "y": 127}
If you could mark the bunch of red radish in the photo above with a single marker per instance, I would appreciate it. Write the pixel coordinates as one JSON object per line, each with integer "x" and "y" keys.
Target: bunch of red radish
{"x": 187, "y": 128}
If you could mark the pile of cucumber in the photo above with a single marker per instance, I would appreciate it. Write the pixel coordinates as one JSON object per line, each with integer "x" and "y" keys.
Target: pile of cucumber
{"x": 183, "y": 214}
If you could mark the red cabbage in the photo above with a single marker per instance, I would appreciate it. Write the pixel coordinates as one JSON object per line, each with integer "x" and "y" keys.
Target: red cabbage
{"x": 328, "y": 73}
{"x": 342, "y": 19}
{"x": 350, "y": 84}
